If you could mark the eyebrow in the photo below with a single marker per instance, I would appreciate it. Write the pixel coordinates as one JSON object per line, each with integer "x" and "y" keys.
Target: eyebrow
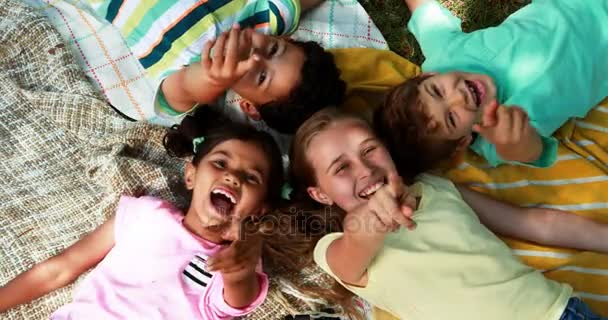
{"x": 367, "y": 140}
{"x": 222, "y": 152}
{"x": 227, "y": 154}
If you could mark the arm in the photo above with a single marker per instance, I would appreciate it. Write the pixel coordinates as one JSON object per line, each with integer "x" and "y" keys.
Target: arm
{"x": 203, "y": 82}
{"x": 543, "y": 226}
{"x": 187, "y": 87}
{"x": 241, "y": 293}
{"x": 365, "y": 228}
{"x": 414, "y": 4}
{"x": 59, "y": 270}
{"x": 349, "y": 256}
{"x": 238, "y": 263}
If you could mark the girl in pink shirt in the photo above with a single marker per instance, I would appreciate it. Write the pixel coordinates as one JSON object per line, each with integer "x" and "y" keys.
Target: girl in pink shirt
{"x": 155, "y": 262}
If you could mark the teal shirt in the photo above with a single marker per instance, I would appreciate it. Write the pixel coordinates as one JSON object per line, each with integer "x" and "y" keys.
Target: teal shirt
{"x": 550, "y": 58}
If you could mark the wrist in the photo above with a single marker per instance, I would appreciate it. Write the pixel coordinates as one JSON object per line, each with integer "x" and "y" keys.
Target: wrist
{"x": 197, "y": 83}
{"x": 238, "y": 278}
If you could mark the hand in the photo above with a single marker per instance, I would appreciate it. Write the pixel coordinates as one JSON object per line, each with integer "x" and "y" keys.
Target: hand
{"x": 393, "y": 204}
{"x": 388, "y": 209}
{"x": 509, "y": 130}
{"x": 238, "y": 261}
{"x": 231, "y": 59}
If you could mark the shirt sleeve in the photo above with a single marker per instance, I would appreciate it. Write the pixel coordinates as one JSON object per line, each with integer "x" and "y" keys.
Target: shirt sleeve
{"x": 163, "y": 110}
{"x": 547, "y": 158}
{"x": 320, "y": 252}
{"x": 129, "y": 214}
{"x": 284, "y": 16}
{"x": 213, "y": 305}
{"x": 433, "y": 26}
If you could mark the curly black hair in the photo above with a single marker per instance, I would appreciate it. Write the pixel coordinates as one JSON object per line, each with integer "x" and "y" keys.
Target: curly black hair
{"x": 320, "y": 86}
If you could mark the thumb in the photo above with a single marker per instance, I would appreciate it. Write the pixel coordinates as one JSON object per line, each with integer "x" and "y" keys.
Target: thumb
{"x": 244, "y": 66}
{"x": 488, "y": 116}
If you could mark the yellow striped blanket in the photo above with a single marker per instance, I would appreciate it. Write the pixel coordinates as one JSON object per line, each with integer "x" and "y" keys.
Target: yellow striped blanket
{"x": 578, "y": 182}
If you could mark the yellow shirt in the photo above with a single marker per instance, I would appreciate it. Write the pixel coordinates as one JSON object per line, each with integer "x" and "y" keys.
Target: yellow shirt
{"x": 452, "y": 267}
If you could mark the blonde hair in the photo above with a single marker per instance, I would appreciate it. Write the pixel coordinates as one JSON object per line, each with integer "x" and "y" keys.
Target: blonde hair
{"x": 291, "y": 250}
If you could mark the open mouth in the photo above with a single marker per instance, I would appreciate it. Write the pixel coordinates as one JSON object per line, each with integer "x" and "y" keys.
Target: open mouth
{"x": 223, "y": 201}
{"x": 477, "y": 91}
{"x": 371, "y": 189}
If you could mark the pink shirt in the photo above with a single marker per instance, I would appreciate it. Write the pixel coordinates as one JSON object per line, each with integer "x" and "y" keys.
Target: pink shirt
{"x": 156, "y": 270}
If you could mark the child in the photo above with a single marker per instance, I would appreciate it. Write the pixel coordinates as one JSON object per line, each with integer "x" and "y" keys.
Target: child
{"x": 548, "y": 59}
{"x": 281, "y": 81}
{"x": 155, "y": 262}
{"x": 446, "y": 264}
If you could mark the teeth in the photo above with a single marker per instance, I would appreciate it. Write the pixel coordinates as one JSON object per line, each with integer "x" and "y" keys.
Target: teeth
{"x": 222, "y": 192}
{"x": 371, "y": 189}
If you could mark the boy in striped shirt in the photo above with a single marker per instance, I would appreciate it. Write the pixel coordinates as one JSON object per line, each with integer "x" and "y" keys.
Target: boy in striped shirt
{"x": 194, "y": 51}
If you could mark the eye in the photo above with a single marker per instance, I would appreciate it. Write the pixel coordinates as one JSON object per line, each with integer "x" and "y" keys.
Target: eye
{"x": 341, "y": 168}
{"x": 253, "y": 179}
{"x": 436, "y": 91}
{"x": 261, "y": 77}
{"x": 451, "y": 119}
{"x": 273, "y": 49}
{"x": 369, "y": 150}
{"x": 220, "y": 164}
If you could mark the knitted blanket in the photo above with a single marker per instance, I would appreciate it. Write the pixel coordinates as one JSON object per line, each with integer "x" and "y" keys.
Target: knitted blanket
{"x": 66, "y": 157}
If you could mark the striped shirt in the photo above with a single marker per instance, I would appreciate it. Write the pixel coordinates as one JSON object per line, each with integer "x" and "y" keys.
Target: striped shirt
{"x": 166, "y": 35}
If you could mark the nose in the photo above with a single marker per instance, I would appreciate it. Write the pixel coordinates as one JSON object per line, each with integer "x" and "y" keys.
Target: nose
{"x": 232, "y": 179}
{"x": 363, "y": 169}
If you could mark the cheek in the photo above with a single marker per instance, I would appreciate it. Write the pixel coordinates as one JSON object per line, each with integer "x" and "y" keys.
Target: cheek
{"x": 341, "y": 192}
{"x": 253, "y": 198}
{"x": 384, "y": 161}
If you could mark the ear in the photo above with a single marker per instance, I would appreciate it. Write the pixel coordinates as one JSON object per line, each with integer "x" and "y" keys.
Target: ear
{"x": 319, "y": 196}
{"x": 250, "y": 109}
{"x": 464, "y": 142}
{"x": 190, "y": 175}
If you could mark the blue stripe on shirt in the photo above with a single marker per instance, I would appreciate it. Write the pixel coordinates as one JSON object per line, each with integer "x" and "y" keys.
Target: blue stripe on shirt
{"x": 257, "y": 18}
{"x": 179, "y": 29}
{"x": 277, "y": 14}
{"x": 113, "y": 8}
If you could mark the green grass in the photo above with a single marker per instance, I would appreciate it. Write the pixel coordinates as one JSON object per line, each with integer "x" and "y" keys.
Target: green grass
{"x": 391, "y": 17}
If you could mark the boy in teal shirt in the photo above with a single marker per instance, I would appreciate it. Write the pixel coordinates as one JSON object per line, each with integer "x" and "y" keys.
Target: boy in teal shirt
{"x": 549, "y": 59}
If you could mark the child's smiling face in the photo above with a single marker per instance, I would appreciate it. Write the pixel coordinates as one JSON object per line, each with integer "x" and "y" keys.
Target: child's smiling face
{"x": 229, "y": 184}
{"x": 277, "y": 73}
{"x": 349, "y": 164}
{"x": 453, "y": 102}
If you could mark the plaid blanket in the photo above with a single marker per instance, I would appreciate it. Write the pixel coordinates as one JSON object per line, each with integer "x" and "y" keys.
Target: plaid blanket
{"x": 108, "y": 62}
{"x": 66, "y": 157}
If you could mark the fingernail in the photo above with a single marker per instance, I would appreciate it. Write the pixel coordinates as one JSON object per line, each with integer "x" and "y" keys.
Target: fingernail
{"x": 236, "y": 25}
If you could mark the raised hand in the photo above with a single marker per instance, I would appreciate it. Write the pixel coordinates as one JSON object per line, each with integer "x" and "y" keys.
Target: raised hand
{"x": 510, "y": 131}
{"x": 230, "y": 60}
{"x": 239, "y": 260}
